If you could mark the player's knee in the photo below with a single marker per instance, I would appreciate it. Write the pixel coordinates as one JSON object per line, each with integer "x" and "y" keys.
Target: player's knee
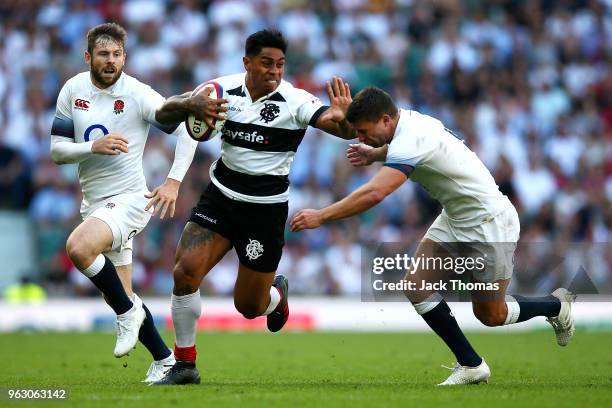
{"x": 247, "y": 309}
{"x": 185, "y": 276}
{"x": 79, "y": 254}
{"x": 490, "y": 317}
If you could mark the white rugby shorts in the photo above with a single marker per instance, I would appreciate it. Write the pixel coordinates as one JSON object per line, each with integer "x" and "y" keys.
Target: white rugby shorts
{"x": 126, "y": 216}
{"x": 494, "y": 239}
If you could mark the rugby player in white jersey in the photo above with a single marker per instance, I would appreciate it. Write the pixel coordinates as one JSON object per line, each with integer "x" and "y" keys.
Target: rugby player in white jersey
{"x": 245, "y": 205}
{"x": 102, "y": 121}
{"x": 475, "y": 212}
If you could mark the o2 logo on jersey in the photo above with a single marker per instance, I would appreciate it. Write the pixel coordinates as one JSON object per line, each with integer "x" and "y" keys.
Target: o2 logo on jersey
{"x": 92, "y": 128}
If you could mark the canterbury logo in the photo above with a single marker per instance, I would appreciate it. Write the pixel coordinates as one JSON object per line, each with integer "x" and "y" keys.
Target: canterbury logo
{"x": 81, "y": 104}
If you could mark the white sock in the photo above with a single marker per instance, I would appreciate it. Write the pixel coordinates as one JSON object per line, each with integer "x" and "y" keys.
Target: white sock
{"x": 167, "y": 359}
{"x": 514, "y": 310}
{"x": 425, "y": 306}
{"x": 95, "y": 267}
{"x": 185, "y": 313}
{"x": 275, "y": 299}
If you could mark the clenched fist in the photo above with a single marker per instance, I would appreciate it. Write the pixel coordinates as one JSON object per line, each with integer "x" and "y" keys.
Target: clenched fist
{"x": 111, "y": 144}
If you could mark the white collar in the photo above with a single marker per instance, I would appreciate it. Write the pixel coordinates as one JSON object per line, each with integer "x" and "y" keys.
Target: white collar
{"x": 111, "y": 90}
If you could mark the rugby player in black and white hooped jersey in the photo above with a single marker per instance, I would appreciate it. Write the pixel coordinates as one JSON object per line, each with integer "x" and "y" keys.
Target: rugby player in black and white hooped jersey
{"x": 102, "y": 121}
{"x": 245, "y": 205}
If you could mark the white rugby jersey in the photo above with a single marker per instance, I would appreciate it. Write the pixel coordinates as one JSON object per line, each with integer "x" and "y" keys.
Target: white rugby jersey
{"x": 260, "y": 139}
{"x": 85, "y": 113}
{"x": 446, "y": 168}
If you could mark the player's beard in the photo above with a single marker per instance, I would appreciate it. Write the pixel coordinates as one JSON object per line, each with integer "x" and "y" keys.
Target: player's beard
{"x": 97, "y": 75}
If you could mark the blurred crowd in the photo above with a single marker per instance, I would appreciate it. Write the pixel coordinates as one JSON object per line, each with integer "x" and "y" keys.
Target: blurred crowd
{"x": 526, "y": 83}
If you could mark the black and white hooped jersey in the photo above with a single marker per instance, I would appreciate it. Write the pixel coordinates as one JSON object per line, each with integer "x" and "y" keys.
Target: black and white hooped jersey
{"x": 260, "y": 139}
{"x": 85, "y": 113}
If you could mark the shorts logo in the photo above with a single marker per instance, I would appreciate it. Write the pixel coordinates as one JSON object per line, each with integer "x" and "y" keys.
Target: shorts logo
{"x": 206, "y": 218}
{"x": 254, "y": 249}
{"x": 269, "y": 112}
{"x": 81, "y": 104}
{"x": 110, "y": 205}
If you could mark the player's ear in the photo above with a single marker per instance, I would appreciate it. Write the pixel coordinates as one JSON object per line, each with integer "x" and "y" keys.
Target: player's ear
{"x": 87, "y": 57}
{"x": 246, "y": 61}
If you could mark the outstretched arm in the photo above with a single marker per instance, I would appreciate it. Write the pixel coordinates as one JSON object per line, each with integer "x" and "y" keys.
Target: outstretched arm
{"x": 333, "y": 120}
{"x": 177, "y": 107}
{"x": 386, "y": 181}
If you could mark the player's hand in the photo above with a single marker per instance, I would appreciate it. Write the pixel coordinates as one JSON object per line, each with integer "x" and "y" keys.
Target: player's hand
{"x": 111, "y": 144}
{"x": 206, "y": 108}
{"x": 339, "y": 98}
{"x": 163, "y": 198}
{"x": 360, "y": 154}
{"x": 306, "y": 219}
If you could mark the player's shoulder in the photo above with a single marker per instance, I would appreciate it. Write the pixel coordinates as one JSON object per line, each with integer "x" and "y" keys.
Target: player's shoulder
{"x": 131, "y": 85}
{"x": 414, "y": 121}
{"x": 230, "y": 82}
{"x": 79, "y": 81}
{"x": 416, "y": 130}
{"x": 292, "y": 95}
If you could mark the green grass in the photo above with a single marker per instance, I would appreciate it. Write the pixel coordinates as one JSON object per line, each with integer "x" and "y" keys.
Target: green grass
{"x": 316, "y": 369}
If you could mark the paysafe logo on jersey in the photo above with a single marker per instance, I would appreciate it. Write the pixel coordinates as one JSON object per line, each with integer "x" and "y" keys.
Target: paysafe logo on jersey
{"x": 253, "y": 137}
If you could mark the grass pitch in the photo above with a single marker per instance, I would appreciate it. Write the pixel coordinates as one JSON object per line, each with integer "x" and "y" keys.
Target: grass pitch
{"x": 315, "y": 369}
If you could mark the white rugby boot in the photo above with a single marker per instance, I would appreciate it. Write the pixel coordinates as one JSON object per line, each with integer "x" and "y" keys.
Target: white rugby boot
{"x": 468, "y": 375}
{"x": 564, "y": 323}
{"x": 159, "y": 368}
{"x": 128, "y": 326}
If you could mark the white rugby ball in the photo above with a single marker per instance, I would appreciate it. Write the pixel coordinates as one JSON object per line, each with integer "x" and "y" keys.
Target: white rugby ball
{"x": 198, "y": 129}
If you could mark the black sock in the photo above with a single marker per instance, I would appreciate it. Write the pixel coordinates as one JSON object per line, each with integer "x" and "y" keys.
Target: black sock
{"x": 109, "y": 284}
{"x": 441, "y": 320}
{"x": 149, "y": 336}
{"x": 548, "y": 306}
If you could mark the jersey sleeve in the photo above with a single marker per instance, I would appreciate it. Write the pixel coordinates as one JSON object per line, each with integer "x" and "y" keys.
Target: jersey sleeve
{"x": 409, "y": 149}
{"x": 183, "y": 153}
{"x": 150, "y": 102}
{"x": 308, "y": 107}
{"x": 62, "y": 123}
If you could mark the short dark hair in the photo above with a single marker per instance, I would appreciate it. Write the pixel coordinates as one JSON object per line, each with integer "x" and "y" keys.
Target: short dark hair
{"x": 112, "y": 31}
{"x": 264, "y": 38}
{"x": 370, "y": 104}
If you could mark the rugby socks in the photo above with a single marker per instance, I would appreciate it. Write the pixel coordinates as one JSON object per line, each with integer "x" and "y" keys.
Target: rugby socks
{"x": 150, "y": 338}
{"x": 436, "y": 313}
{"x": 275, "y": 299}
{"x": 521, "y": 308}
{"x": 186, "y": 310}
{"x": 103, "y": 274}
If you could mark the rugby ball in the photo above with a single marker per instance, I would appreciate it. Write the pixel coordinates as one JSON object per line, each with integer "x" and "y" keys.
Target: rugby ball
{"x": 198, "y": 129}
